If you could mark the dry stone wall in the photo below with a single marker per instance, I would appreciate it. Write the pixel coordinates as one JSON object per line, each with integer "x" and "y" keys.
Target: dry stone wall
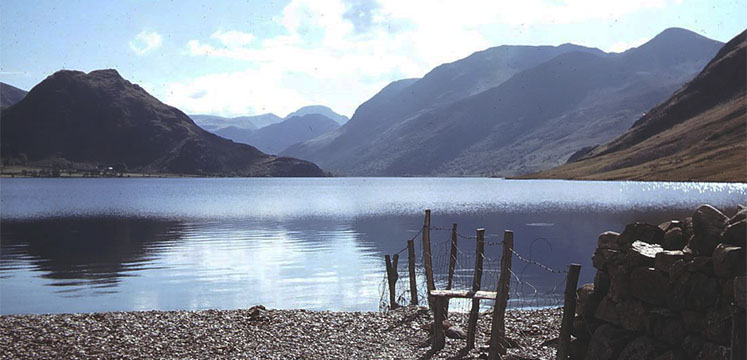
{"x": 666, "y": 292}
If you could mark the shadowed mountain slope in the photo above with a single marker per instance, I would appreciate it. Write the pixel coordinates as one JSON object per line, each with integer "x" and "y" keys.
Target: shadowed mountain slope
{"x": 10, "y": 95}
{"x": 102, "y": 118}
{"x": 698, "y": 134}
{"x": 508, "y": 110}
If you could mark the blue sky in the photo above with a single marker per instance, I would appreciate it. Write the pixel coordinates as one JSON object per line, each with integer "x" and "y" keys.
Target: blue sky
{"x": 251, "y": 57}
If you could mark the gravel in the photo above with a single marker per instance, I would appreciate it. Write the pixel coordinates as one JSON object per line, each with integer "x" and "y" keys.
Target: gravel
{"x": 257, "y": 333}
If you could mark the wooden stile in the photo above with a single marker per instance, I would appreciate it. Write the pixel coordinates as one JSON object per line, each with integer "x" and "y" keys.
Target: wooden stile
{"x": 476, "y": 281}
{"x": 498, "y": 327}
{"x": 569, "y": 309}
{"x": 411, "y": 268}
{"x": 452, "y": 265}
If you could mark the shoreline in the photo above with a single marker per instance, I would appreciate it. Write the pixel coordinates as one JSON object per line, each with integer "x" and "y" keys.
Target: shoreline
{"x": 260, "y": 333}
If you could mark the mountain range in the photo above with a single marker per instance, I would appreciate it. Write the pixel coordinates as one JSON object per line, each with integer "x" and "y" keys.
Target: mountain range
{"x": 508, "y": 110}
{"x": 698, "y": 134}
{"x": 101, "y": 118}
{"x": 276, "y": 133}
{"x": 275, "y": 138}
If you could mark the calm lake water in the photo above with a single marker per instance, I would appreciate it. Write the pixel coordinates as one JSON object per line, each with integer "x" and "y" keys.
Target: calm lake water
{"x": 85, "y": 245}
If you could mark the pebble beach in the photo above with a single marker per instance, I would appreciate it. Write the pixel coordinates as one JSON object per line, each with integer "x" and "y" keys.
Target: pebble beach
{"x": 258, "y": 333}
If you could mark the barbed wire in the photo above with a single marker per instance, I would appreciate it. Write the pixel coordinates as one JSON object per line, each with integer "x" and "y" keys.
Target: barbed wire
{"x": 537, "y": 263}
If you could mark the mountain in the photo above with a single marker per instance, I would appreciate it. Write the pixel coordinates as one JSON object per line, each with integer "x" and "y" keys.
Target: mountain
{"x": 212, "y": 122}
{"x": 275, "y": 138}
{"x": 508, "y": 110}
{"x": 698, "y": 134}
{"x": 321, "y": 110}
{"x": 101, "y": 118}
{"x": 10, "y": 95}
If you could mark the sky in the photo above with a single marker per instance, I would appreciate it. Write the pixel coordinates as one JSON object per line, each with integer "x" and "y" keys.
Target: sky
{"x": 234, "y": 58}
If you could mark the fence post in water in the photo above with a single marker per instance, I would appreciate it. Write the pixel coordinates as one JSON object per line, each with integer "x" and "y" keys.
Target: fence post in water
{"x": 498, "y": 327}
{"x": 476, "y": 281}
{"x": 452, "y": 264}
{"x": 569, "y": 308}
{"x": 391, "y": 275}
{"x": 427, "y": 256}
{"x": 411, "y": 269}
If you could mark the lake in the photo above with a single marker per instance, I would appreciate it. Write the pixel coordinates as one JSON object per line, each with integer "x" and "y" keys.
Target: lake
{"x": 85, "y": 245}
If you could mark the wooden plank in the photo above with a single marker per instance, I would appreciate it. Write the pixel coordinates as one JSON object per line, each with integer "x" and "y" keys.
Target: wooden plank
{"x": 498, "y": 327}
{"x": 476, "y": 281}
{"x": 465, "y": 294}
{"x": 411, "y": 268}
{"x": 427, "y": 255}
{"x": 439, "y": 336}
{"x": 569, "y": 309}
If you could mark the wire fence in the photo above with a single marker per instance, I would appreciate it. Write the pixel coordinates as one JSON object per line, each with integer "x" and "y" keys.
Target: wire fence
{"x": 533, "y": 283}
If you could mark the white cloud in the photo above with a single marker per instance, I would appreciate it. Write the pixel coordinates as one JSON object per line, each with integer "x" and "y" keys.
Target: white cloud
{"x": 362, "y": 45}
{"x": 145, "y": 41}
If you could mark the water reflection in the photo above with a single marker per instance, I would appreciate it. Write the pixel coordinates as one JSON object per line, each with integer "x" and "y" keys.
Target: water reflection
{"x": 113, "y": 244}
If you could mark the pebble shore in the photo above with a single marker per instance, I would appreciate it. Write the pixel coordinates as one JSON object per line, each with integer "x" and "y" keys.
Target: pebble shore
{"x": 257, "y": 333}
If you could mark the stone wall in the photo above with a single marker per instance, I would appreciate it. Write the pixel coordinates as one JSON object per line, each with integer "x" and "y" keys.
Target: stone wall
{"x": 665, "y": 292}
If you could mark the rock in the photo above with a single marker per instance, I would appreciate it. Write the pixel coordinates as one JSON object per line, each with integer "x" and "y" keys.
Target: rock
{"x": 735, "y": 234}
{"x": 692, "y": 346}
{"x": 632, "y": 314}
{"x": 704, "y": 292}
{"x": 641, "y": 254}
{"x": 619, "y": 283}
{"x": 641, "y": 348}
{"x": 667, "y": 328}
{"x": 703, "y": 264}
{"x": 601, "y": 283}
{"x": 708, "y": 224}
{"x": 675, "y": 354}
{"x": 607, "y": 342}
{"x": 740, "y": 291}
{"x": 587, "y": 301}
{"x": 608, "y": 240}
{"x": 674, "y": 239}
{"x": 727, "y": 294}
{"x": 664, "y": 260}
{"x": 604, "y": 257}
{"x": 606, "y": 311}
{"x": 640, "y": 232}
{"x": 687, "y": 228}
{"x": 718, "y": 326}
{"x": 649, "y": 285}
{"x": 728, "y": 261}
{"x": 584, "y": 327}
{"x": 669, "y": 225}
{"x": 693, "y": 321}
{"x": 577, "y": 349}
{"x": 455, "y": 332}
{"x": 695, "y": 291}
{"x": 711, "y": 351}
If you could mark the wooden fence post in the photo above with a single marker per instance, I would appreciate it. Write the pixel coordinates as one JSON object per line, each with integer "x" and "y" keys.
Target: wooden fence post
{"x": 439, "y": 335}
{"x": 427, "y": 256}
{"x": 411, "y": 268}
{"x": 452, "y": 256}
{"x": 392, "y": 276}
{"x": 476, "y": 281}
{"x": 569, "y": 309}
{"x": 498, "y": 327}
{"x": 452, "y": 264}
